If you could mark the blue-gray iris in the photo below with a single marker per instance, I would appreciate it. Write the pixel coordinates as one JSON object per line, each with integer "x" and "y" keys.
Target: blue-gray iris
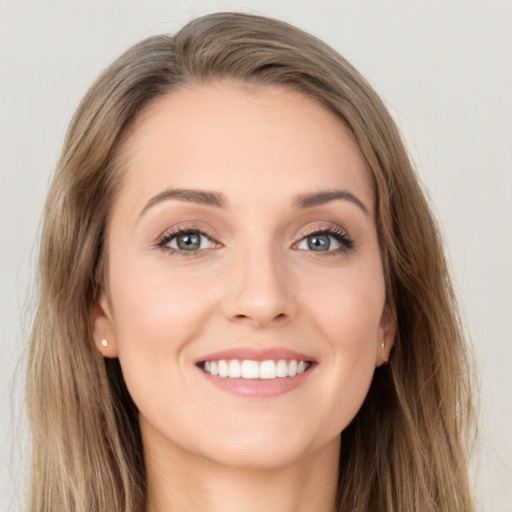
{"x": 189, "y": 241}
{"x": 319, "y": 242}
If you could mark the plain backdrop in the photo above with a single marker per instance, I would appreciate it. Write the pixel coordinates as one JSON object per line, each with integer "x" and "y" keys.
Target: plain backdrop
{"x": 444, "y": 68}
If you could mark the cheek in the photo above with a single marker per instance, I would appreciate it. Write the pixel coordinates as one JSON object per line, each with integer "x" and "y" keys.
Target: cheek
{"x": 157, "y": 317}
{"x": 348, "y": 317}
{"x": 348, "y": 308}
{"x": 155, "y": 305}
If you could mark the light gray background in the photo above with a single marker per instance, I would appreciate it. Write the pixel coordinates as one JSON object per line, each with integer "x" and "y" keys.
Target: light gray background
{"x": 445, "y": 70}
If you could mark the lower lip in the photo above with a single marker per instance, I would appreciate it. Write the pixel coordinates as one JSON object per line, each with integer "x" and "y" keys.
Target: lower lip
{"x": 258, "y": 388}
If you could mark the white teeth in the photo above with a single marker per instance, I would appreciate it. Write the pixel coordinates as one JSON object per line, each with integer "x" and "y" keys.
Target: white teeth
{"x": 249, "y": 369}
{"x": 292, "y": 368}
{"x": 267, "y": 370}
{"x": 235, "y": 370}
{"x": 223, "y": 369}
{"x": 282, "y": 368}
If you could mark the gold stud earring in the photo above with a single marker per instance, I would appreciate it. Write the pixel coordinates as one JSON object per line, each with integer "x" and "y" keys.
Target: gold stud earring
{"x": 104, "y": 342}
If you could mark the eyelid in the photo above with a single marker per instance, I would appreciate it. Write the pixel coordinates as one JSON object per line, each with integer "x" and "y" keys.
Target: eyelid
{"x": 337, "y": 232}
{"x": 181, "y": 229}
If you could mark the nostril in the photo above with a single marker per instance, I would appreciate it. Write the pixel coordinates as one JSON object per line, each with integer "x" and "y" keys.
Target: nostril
{"x": 261, "y": 319}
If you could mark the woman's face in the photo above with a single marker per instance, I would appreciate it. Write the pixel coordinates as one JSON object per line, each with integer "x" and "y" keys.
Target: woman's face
{"x": 243, "y": 241}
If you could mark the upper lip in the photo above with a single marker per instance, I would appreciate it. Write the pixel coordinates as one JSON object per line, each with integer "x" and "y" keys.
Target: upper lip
{"x": 256, "y": 354}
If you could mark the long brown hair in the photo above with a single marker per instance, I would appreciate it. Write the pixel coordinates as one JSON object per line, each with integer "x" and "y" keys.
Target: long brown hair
{"x": 407, "y": 448}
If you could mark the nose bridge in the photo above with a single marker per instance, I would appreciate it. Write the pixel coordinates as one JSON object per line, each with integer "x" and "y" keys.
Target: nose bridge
{"x": 259, "y": 287}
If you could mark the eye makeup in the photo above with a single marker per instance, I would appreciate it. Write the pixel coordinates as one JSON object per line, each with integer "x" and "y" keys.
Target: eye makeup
{"x": 319, "y": 240}
{"x": 190, "y": 240}
{"x": 186, "y": 241}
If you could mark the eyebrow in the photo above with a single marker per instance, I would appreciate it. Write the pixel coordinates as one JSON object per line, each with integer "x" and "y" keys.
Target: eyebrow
{"x": 191, "y": 195}
{"x": 218, "y": 200}
{"x": 323, "y": 197}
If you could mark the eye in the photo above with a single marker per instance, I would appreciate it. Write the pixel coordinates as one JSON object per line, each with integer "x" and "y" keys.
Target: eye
{"x": 318, "y": 242}
{"x": 186, "y": 241}
{"x": 326, "y": 240}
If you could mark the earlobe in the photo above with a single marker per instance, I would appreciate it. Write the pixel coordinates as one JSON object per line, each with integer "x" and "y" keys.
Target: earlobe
{"x": 387, "y": 333}
{"x": 103, "y": 327}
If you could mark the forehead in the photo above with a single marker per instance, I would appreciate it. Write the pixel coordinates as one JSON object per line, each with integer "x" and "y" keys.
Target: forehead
{"x": 242, "y": 139}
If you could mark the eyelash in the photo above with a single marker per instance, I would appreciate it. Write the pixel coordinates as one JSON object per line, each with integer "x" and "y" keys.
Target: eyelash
{"x": 337, "y": 233}
{"x": 170, "y": 235}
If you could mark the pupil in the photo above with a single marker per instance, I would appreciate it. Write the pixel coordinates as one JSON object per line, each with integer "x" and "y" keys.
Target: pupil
{"x": 189, "y": 242}
{"x": 319, "y": 242}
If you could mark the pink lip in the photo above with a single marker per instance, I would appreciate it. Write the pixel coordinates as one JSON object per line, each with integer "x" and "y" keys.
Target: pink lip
{"x": 257, "y": 388}
{"x": 255, "y": 354}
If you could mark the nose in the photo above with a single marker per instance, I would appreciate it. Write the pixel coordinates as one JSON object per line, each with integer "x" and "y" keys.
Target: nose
{"x": 259, "y": 291}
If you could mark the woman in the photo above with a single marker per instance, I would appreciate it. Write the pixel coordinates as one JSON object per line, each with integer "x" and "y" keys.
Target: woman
{"x": 237, "y": 266}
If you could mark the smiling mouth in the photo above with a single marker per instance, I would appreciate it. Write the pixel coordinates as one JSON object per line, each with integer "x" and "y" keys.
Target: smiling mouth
{"x": 251, "y": 369}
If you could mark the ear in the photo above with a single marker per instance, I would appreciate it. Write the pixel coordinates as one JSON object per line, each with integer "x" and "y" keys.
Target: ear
{"x": 386, "y": 335}
{"x": 103, "y": 327}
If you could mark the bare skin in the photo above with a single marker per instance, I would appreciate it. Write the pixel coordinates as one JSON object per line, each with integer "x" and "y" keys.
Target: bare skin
{"x": 244, "y": 226}
{"x": 201, "y": 485}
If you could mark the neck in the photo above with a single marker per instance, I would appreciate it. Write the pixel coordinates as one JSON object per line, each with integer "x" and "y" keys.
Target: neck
{"x": 178, "y": 481}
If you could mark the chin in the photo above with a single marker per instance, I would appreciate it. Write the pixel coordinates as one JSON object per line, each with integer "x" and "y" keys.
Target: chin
{"x": 266, "y": 448}
{"x": 254, "y": 457}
